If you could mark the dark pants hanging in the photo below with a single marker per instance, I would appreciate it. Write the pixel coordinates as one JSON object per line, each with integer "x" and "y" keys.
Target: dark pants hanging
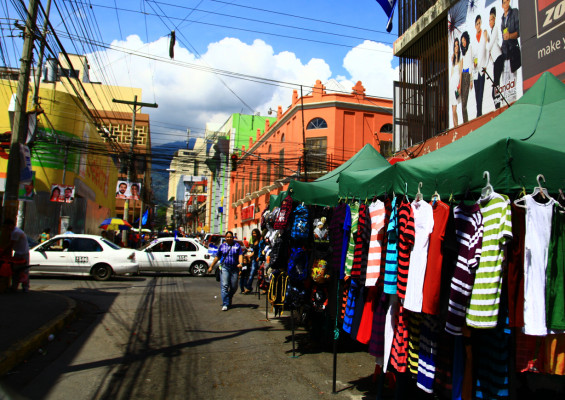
{"x": 479, "y": 91}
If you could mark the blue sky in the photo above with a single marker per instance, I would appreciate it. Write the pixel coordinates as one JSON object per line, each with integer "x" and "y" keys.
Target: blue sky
{"x": 291, "y": 43}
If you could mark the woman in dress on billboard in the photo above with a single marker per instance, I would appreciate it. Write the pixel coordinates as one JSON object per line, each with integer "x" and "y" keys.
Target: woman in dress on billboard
{"x": 466, "y": 69}
{"x": 455, "y": 81}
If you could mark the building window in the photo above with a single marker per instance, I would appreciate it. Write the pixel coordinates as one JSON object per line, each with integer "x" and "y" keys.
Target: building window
{"x": 317, "y": 123}
{"x": 282, "y": 138}
{"x": 268, "y": 174}
{"x": 316, "y": 152}
{"x": 257, "y": 181}
{"x": 281, "y": 164}
{"x": 385, "y": 148}
{"x": 386, "y": 128}
{"x": 420, "y": 97}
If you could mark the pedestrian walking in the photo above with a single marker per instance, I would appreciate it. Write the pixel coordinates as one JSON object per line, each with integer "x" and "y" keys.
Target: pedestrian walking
{"x": 20, "y": 247}
{"x": 232, "y": 255}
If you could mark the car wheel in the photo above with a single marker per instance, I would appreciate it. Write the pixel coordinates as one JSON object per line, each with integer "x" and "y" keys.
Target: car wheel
{"x": 101, "y": 272}
{"x": 199, "y": 269}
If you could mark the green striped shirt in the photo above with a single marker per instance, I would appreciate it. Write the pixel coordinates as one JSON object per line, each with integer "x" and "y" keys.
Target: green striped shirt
{"x": 485, "y": 296}
{"x": 351, "y": 247}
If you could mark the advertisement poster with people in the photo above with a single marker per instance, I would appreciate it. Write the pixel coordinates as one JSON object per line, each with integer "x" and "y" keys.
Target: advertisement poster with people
{"x": 62, "y": 193}
{"x": 485, "y": 60}
{"x": 127, "y": 190}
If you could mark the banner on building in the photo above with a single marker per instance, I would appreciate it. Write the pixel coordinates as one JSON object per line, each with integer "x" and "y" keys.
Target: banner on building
{"x": 484, "y": 58}
{"x": 543, "y": 39}
{"x": 62, "y": 193}
{"x": 247, "y": 213}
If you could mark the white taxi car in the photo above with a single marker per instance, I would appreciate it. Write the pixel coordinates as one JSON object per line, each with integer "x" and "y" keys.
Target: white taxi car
{"x": 168, "y": 254}
{"x": 79, "y": 254}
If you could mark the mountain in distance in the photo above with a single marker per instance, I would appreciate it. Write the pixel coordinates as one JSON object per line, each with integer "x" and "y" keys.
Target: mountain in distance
{"x": 161, "y": 156}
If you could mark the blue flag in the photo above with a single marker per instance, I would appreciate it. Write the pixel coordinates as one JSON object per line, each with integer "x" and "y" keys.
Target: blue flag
{"x": 144, "y": 217}
{"x": 388, "y": 7}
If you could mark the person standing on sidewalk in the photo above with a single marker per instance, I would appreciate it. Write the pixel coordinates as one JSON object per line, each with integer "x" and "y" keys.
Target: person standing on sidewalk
{"x": 20, "y": 266}
{"x": 254, "y": 255}
{"x": 232, "y": 253}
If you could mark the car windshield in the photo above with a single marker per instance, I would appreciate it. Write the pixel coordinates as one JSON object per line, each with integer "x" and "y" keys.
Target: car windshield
{"x": 146, "y": 245}
{"x": 112, "y": 245}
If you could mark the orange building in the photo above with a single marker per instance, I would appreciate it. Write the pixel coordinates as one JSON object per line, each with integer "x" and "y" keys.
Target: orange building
{"x": 316, "y": 134}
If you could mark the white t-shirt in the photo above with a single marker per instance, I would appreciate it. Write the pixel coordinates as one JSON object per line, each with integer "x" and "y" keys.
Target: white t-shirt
{"x": 536, "y": 244}
{"x": 21, "y": 248}
{"x": 423, "y": 227}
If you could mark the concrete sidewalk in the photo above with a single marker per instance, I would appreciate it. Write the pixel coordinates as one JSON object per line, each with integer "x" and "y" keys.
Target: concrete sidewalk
{"x": 27, "y": 320}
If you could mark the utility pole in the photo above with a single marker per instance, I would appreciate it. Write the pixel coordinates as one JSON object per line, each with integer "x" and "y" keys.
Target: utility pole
{"x": 135, "y": 104}
{"x": 10, "y": 208}
{"x": 304, "y": 150}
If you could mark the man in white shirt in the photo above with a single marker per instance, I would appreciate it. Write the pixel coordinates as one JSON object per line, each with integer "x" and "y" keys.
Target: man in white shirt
{"x": 20, "y": 247}
{"x": 494, "y": 56}
{"x": 479, "y": 50}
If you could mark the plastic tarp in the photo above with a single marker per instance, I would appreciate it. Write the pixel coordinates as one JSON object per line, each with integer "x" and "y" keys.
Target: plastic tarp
{"x": 526, "y": 140}
{"x": 324, "y": 190}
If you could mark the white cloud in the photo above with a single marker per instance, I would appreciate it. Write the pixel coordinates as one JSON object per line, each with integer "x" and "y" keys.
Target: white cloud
{"x": 191, "y": 97}
{"x": 371, "y": 63}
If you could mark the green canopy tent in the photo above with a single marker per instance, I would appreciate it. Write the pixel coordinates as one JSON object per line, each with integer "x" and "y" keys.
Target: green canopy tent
{"x": 324, "y": 190}
{"x": 522, "y": 142}
{"x": 276, "y": 199}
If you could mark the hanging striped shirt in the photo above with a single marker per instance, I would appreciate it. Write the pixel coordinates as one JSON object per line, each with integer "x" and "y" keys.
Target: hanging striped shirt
{"x": 391, "y": 267}
{"x": 485, "y": 297}
{"x": 374, "y": 263}
{"x": 353, "y": 233}
{"x": 399, "y": 350}
{"x": 359, "y": 270}
{"x": 405, "y": 243}
{"x": 469, "y": 233}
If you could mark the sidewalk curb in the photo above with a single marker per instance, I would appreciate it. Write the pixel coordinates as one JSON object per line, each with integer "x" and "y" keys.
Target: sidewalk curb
{"x": 24, "y": 347}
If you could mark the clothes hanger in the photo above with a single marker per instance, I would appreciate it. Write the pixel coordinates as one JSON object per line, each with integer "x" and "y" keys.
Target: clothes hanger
{"x": 488, "y": 189}
{"x": 419, "y": 195}
{"x": 435, "y": 197}
{"x": 537, "y": 190}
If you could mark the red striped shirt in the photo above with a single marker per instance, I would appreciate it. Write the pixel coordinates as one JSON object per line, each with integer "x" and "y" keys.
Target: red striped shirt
{"x": 405, "y": 243}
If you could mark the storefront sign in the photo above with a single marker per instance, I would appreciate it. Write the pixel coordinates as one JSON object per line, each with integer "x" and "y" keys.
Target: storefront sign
{"x": 248, "y": 213}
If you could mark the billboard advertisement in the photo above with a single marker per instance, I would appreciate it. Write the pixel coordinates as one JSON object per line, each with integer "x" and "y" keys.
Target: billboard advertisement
{"x": 128, "y": 190}
{"x": 62, "y": 193}
{"x": 543, "y": 39}
{"x": 485, "y": 59}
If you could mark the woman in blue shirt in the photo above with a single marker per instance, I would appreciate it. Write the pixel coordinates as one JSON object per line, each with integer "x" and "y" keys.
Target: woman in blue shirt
{"x": 232, "y": 255}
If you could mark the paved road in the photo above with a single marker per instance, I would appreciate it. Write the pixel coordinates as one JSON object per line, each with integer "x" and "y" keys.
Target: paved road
{"x": 165, "y": 337}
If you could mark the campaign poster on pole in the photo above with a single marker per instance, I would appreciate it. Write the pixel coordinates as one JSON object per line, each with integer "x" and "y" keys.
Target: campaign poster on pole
{"x": 122, "y": 190}
{"x": 62, "y": 193}
{"x": 26, "y": 190}
{"x": 134, "y": 191}
{"x": 484, "y": 58}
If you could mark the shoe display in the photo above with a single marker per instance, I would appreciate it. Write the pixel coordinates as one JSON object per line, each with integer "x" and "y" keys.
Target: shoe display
{"x": 224, "y": 308}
